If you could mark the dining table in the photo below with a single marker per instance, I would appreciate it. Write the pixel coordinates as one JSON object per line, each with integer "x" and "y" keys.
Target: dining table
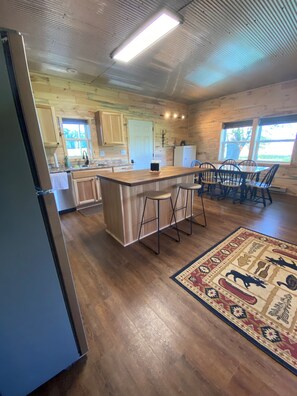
{"x": 246, "y": 172}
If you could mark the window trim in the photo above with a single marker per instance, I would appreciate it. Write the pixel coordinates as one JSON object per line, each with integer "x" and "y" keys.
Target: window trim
{"x": 254, "y": 142}
{"x": 229, "y": 125}
{"x": 77, "y": 120}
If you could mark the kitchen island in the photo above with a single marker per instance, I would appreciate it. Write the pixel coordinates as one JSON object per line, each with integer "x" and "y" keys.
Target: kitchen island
{"x": 123, "y": 195}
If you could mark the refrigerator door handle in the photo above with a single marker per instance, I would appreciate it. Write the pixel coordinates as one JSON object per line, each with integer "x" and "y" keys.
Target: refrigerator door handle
{"x": 40, "y": 192}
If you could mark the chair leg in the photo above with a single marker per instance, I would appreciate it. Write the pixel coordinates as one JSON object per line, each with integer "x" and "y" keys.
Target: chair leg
{"x": 142, "y": 218}
{"x": 263, "y": 197}
{"x": 269, "y": 195}
{"x": 202, "y": 204}
{"x": 234, "y": 194}
{"x": 174, "y": 207}
{"x": 191, "y": 206}
{"x": 176, "y": 227}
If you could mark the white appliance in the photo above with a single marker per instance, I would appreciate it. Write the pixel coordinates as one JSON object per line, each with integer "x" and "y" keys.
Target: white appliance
{"x": 41, "y": 330}
{"x": 184, "y": 155}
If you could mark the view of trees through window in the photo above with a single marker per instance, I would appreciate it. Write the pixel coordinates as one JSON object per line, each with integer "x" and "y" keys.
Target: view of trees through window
{"x": 273, "y": 141}
{"x": 77, "y": 137}
{"x": 236, "y": 143}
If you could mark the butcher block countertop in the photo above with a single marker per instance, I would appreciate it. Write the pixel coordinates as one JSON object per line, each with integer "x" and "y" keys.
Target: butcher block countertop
{"x": 138, "y": 177}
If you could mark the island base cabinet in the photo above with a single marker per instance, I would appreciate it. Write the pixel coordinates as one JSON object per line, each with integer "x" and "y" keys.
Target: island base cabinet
{"x": 123, "y": 206}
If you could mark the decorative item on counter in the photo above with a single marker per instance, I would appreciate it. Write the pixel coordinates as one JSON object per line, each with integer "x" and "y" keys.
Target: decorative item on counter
{"x": 67, "y": 162}
{"x": 155, "y": 166}
{"x": 183, "y": 143}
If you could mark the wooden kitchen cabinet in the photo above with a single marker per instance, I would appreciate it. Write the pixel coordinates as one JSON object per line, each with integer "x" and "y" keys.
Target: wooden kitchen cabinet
{"x": 48, "y": 125}
{"x": 102, "y": 171}
{"x": 86, "y": 186}
{"x": 85, "y": 191}
{"x": 109, "y": 127}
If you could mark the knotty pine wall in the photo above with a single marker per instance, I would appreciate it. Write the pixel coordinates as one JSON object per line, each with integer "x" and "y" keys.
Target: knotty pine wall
{"x": 206, "y": 119}
{"x": 81, "y": 100}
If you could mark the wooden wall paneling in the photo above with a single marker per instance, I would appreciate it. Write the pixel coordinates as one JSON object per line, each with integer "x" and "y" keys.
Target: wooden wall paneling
{"x": 82, "y": 100}
{"x": 206, "y": 118}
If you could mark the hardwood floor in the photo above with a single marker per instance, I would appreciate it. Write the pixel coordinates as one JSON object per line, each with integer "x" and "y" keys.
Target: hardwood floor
{"x": 146, "y": 335}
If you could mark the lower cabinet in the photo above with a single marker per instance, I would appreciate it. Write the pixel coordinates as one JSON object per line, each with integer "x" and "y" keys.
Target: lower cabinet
{"x": 86, "y": 186}
{"x": 85, "y": 190}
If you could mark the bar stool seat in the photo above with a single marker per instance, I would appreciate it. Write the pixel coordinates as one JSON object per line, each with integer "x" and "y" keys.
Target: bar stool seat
{"x": 157, "y": 196}
{"x": 190, "y": 188}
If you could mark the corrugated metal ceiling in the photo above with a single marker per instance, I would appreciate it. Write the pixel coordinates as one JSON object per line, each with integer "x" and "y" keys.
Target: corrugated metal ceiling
{"x": 222, "y": 47}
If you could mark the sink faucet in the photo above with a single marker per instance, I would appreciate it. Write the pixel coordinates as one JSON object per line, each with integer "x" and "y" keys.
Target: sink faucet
{"x": 85, "y": 157}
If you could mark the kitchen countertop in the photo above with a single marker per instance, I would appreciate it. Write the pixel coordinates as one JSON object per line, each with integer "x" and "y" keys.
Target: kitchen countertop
{"x": 82, "y": 168}
{"x": 138, "y": 177}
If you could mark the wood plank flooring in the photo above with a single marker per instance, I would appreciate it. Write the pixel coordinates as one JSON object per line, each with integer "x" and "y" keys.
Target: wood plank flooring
{"x": 146, "y": 335}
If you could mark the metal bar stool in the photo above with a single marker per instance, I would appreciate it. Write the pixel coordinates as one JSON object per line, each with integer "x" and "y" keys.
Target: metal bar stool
{"x": 190, "y": 188}
{"x": 157, "y": 196}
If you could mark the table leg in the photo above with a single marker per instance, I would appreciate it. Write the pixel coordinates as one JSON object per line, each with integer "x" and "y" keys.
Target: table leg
{"x": 243, "y": 187}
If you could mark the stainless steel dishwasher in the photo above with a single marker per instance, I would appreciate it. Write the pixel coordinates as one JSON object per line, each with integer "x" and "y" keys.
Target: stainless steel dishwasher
{"x": 65, "y": 198}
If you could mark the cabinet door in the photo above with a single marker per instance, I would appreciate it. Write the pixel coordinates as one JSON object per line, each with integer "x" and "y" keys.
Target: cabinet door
{"x": 102, "y": 171}
{"x": 109, "y": 128}
{"x": 47, "y": 122}
{"x": 85, "y": 191}
{"x": 116, "y": 127}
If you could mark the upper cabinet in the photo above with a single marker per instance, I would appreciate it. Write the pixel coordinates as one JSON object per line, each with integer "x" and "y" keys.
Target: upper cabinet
{"x": 109, "y": 128}
{"x": 48, "y": 125}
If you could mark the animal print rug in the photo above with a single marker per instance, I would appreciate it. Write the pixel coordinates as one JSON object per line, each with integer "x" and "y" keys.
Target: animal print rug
{"x": 250, "y": 281}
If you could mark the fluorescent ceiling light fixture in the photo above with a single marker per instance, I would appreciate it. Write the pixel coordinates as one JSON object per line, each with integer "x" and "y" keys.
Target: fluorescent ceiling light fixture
{"x": 155, "y": 28}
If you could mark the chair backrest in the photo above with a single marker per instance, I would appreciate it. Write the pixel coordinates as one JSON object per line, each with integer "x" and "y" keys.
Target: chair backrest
{"x": 248, "y": 163}
{"x": 267, "y": 179}
{"x": 229, "y": 161}
{"x": 230, "y": 174}
{"x": 209, "y": 176}
{"x": 195, "y": 163}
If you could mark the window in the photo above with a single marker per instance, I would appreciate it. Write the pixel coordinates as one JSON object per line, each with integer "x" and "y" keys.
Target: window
{"x": 77, "y": 137}
{"x": 275, "y": 139}
{"x": 271, "y": 140}
{"x": 235, "y": 140}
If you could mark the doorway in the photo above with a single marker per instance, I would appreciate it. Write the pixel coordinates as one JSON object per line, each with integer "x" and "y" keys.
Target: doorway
{"x": 141, "y": 143}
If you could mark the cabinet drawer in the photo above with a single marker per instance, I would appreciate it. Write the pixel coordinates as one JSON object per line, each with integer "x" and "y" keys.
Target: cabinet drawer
{"x": 89, "y": 173}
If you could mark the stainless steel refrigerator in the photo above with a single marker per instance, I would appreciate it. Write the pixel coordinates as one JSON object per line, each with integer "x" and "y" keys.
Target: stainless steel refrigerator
{"x": 41, "y": 331}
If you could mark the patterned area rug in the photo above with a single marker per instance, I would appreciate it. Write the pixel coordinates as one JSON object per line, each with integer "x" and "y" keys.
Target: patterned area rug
{"x": 250, "y": 281}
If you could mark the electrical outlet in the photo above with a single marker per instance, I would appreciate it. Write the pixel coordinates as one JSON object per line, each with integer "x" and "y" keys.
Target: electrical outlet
{"x": 102, "y": 153}
{"x": 123, "y": 152}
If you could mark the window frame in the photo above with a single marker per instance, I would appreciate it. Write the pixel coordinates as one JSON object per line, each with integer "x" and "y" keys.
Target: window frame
{"x": 255, "y": 141}
{"x": 277, "y": 120}
{"x": 231, "y": 125}
{"x": 88, "y": 139}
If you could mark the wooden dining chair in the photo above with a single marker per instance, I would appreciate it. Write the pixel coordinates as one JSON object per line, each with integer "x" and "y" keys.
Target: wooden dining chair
{"x": 195, "y": 163}
{"x": 229, "y": 161}
{"x": 208, "y": 178}
{"x": 230, "y": 180}
{"x": 248, "y": 163}
{"x": 263, "y": 186}
{"x": 248, "y": 176}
